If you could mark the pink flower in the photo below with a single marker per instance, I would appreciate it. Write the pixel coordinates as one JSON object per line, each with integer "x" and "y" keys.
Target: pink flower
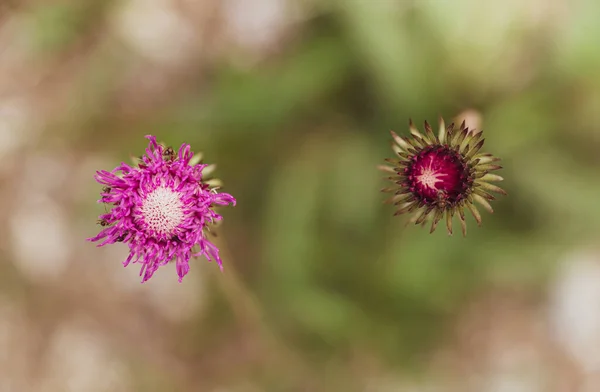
{"x": 162, "y": 208}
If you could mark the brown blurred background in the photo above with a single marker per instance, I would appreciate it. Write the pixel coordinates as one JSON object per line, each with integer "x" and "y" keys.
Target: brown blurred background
{"x": 323, "y": 289}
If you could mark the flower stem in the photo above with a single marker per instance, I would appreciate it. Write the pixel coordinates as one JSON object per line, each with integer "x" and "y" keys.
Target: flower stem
{"x": 247, "y": 310}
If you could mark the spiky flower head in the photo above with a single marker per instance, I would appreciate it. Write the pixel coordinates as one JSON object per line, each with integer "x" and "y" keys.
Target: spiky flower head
{"x": 437, "y": 175}
{"x": 162, "y": 207}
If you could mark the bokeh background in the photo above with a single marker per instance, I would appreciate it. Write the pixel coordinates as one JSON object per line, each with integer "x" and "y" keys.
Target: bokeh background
{"x": 323, "y": 289}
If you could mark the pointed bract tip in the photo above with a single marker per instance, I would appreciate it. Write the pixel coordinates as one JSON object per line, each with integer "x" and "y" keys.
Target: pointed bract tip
{"x": 441, "y": 122}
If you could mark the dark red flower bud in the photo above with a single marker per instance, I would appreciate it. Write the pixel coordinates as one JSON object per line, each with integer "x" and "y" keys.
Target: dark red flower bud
{"x": 441, "y": 175}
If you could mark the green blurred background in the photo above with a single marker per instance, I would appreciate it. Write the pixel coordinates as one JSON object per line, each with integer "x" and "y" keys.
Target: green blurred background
{"x": 323, "y": 289}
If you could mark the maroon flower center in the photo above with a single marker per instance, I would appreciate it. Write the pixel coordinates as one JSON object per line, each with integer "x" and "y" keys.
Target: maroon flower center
{"x": 438, "y": 173}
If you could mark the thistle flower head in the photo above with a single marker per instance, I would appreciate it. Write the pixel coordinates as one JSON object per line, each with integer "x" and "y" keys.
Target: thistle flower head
{"x": 162, "y": 207}
{"x": 437, "y": 175}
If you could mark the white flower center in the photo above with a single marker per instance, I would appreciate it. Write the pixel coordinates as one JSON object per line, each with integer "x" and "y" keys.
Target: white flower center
{"x": 162, "y": 210}
{"x": 429, "y": 177}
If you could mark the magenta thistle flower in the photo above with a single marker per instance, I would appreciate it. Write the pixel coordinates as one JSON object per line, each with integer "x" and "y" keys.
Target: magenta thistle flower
{"x": 443, "y": 174}
{"x": 162, "y": 207}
